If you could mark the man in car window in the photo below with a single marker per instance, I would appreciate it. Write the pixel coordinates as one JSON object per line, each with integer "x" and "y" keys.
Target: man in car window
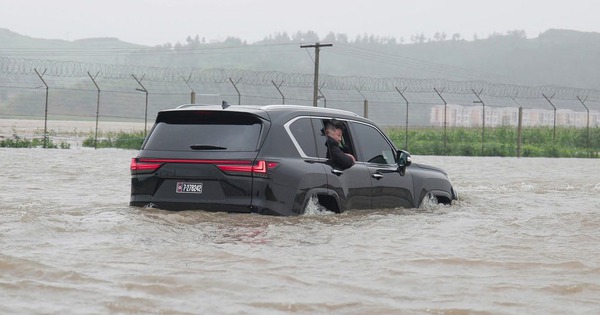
{"x": 335, "y": 150}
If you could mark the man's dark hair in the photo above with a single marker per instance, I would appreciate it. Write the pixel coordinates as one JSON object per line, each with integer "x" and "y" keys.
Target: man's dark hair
{"x": 333, "y": 124}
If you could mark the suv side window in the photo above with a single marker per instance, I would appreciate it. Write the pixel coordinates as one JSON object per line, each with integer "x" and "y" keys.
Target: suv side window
{"x": 373, "y": 145}
{"x": 302, "y": 132}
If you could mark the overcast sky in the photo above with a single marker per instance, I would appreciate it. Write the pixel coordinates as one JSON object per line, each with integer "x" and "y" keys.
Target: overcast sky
{"x": 155, "y": 22}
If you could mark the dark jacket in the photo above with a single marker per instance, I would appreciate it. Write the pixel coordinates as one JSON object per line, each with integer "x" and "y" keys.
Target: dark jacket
{"x": 337, "y": 155}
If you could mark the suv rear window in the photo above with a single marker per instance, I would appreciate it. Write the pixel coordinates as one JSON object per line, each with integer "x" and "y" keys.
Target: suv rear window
{"x": 204, "y": 130}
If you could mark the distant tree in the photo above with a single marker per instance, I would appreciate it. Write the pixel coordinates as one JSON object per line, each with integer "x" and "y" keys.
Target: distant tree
{"x": 358, "y": 39}
{"x": 307, "y": 37}
{"x": 373, "y": 40}
{"x": 342, "y": 38}
{"x": 520, "y": 34}
{"x": 232, "y": 41}
{"x": 282, "y": 38}
{"x": 277, "y": 38}
{"x": 455, "y": 36}
{"x": 330, "y": 37}
{"x": 297, "y": 37}
{"x": 494, "y": 35}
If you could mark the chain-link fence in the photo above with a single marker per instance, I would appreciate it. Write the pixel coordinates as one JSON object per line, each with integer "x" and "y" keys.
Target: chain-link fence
{"x": 59, "y": 90}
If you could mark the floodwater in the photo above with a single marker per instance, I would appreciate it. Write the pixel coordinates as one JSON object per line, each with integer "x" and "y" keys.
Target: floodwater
{"x": 523, "y": 239}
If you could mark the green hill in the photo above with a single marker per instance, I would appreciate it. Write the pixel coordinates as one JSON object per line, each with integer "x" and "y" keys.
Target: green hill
{"x": 555, "y": 57}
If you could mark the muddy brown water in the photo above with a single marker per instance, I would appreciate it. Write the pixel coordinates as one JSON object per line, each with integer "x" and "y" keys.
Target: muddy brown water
{"x": 523, "y": 239}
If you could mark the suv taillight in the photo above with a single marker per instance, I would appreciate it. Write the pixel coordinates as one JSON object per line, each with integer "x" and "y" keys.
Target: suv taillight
{"x": 231, "y": 167}
{"x": 139, "y": 167}
{"x": 259, "y": 169}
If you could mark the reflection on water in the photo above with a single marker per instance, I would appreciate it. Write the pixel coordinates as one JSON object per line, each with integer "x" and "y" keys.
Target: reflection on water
{"x": 522, "y": 239}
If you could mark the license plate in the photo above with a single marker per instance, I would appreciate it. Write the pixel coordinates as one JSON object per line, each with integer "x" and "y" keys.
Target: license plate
{"x": 189, "y": 188}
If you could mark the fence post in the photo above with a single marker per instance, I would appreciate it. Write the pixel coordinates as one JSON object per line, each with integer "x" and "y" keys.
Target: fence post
{"x": 445, "y": 114}
{"x": 323, "y": 97}
{"x": 365, "y": 104}
{"x": 143, "y": 89}
{"x": 193, "y": 93}
{"x": 548, "y": 99}
{"x": 236, "y": 89}
{"x": 588, "y": 125}
{"x": 520, "y": 132}
{"x": 406, "y": 124}
{"x": 519, "y": 126}
{"x": 480, "y": 101}
{"x": 278, "y": 90}
{"x": 97, "y": 107}
{"x": 46, "y": 108}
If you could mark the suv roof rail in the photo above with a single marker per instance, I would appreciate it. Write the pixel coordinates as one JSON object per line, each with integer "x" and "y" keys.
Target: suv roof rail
{"x": 322, "y": 109}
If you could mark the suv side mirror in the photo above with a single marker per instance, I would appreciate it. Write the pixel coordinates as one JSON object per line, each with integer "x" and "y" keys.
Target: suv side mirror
{"x": 403, "y": 161}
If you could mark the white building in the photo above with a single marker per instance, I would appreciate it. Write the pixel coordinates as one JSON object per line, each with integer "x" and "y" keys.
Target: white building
{"x": 470, "y": 116}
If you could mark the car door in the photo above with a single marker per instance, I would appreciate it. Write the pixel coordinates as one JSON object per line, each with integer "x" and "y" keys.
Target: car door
{"x": 352, "y": 185}
{"x": 389, "y": 189}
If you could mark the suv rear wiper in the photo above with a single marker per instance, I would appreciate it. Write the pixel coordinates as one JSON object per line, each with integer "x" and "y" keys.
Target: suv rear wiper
{"x": 206, "y": 147}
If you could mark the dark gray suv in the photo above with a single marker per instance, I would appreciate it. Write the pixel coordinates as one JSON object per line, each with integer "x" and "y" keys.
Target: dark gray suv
{"x": 272, "y": 160}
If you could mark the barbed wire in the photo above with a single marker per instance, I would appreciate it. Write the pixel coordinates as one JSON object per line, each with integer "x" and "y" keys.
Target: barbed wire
{"x": 73, "y": 69}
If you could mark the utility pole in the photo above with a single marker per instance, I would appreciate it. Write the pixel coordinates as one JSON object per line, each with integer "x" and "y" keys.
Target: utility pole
{"x": 317, "y": 46}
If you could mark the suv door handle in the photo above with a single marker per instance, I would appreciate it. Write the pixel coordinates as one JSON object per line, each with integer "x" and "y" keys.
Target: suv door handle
{"x": 337, "y": 172}
{"x": 377, "y": 176}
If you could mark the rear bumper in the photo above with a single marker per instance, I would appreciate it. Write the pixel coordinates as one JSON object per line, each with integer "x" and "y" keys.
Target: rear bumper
{"x": 146, "y": 201}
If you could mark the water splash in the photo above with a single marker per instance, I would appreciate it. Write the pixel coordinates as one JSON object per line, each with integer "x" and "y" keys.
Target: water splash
{"x": 313, "y": 207}
{"x": 430, "y": 204}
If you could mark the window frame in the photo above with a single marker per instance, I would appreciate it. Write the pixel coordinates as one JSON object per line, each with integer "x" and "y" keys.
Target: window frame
{"x": 295, "y": 141}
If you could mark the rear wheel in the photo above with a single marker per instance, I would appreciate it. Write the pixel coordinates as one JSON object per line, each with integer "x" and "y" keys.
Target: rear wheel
{"x": 329, "y": 202}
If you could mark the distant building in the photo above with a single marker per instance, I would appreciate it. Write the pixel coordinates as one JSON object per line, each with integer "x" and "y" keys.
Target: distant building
{"x": 470, "y": 116}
